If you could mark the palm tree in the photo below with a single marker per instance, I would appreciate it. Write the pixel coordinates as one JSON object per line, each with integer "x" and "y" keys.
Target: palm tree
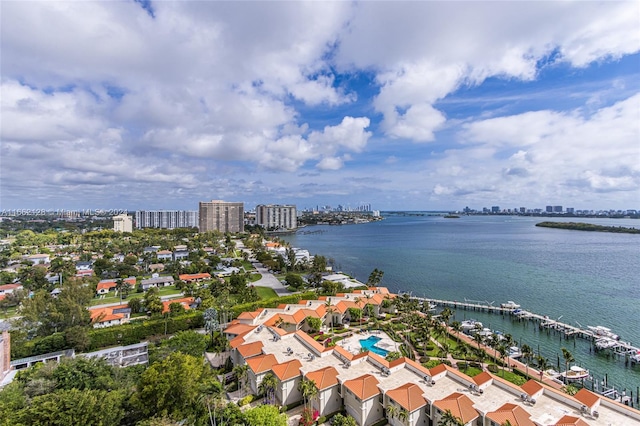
{"x": 242, "y": 372}
{"x": 403, "y": 415}
{"x": 309, "y": 391}
{"x": 478, "y": 339}
{"x": 392, "y": 411}
{"x": 543, "y": 364}
{"x": 330, "y": 309}
{"x": 481, "y": 356}
{"x": 457, "y": 327}
{"x": 568, "y": 358}
{"x": 504, "y": 351}
{"x": 268, "y": 388}
{"x": 527, "y": 353}
{"x": 448, "y": 419}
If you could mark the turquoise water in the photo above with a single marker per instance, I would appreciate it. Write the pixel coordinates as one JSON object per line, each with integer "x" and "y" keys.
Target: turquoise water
{"x": 584, "y": 278}
{"x": 369, "y": 344}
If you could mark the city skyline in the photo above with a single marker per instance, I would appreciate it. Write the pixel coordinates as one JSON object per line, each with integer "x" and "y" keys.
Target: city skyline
{"x": 410, "y": 106}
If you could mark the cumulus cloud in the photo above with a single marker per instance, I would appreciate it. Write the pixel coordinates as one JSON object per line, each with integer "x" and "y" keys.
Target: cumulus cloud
{"x": 103, "y": 99}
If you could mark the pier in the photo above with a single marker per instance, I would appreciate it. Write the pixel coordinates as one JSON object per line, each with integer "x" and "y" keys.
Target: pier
{"x": 617, "y": 347}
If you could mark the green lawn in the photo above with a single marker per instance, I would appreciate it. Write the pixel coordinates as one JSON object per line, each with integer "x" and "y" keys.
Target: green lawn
{"x": 168, "y": 291}
{"x": 254, "y": 277}
{"x": 8, "y": 313}
{"x": 266, "y": 292}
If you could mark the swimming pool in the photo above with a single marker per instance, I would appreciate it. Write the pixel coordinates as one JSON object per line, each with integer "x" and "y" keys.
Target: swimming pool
{"x": 369, "y": 344}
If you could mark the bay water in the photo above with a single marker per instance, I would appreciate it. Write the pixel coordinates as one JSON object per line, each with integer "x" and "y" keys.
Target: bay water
{"x": 582, "y": 278}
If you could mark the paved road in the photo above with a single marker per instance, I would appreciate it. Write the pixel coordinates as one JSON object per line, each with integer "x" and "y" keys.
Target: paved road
{"x": 269, "y": 280}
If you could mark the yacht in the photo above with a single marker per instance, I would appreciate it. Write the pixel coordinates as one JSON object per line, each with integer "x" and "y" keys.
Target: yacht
{"x": 510, "y": 305}
{"x": 575, "y": 373}
{"x": 605, "y": 343}
{"x": 515, "y": 352}
{"x": 601, "y": 331}
{"x": 635, "y": 357}
{"x": 468, "y": 325}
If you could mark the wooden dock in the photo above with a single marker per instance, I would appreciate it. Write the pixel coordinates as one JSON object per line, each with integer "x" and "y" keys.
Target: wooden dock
{"x": 619, "y": 347}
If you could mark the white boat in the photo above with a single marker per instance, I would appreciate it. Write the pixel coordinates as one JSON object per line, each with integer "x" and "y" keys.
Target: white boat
{"x": 605, "y": 343}
{"x": 510, "y": 305}
{"x": 515, "y": 352}
{"x": 635, "y": 357}
{"x": 467, "y": 325}
{"x": 603, "y": 332}
{"x": 575, "y": 373}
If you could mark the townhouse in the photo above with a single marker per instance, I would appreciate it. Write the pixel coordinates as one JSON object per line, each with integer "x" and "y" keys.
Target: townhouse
{"x": 400, "y": 392}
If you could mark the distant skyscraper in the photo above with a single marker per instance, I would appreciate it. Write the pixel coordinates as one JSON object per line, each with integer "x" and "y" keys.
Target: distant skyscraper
{"x": 557, "y": 209}
{"x": 274, "y": 216}
{"x": 166, "y": 219}
{"x": 549, "y": 209}
{"x": 221, "y": 216}
{"x": 495, "y": 209}
{"x": 123, "y": 223}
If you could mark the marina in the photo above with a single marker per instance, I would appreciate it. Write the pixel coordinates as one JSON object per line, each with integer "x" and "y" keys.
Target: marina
{"x": 602, "y": 337}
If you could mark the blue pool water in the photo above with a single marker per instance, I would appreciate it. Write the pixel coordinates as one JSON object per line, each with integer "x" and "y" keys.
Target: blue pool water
{"x": 369, "y": 344}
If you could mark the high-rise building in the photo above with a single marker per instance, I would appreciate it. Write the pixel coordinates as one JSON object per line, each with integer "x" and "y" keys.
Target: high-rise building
{"x": 557, "y": 209}
{"x": 166, "y": 219}
{"x": 549, "y": 209}
{"x": 122, "y": 223}
{"x": 275, "y": 216}
{"x": 221, "y": 216}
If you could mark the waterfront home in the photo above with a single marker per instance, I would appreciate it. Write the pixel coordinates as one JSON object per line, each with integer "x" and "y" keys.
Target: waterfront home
{"x": 362, "y": 399}
{"x": 407, "y": 392}
{"x": 259, "y": 366}
{"x": 328, "y": 399}
{"x": 289, "y": 377}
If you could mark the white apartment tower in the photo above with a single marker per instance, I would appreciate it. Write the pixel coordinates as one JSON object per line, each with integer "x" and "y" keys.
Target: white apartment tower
{"x": 275, "y": 216}
{"x": 166, "y": 219}
{"x": 221, "y": 216}
{"x": 122, "y": 223}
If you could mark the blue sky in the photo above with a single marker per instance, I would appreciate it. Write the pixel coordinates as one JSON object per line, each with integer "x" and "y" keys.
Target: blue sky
{"x": 403, "y": 105}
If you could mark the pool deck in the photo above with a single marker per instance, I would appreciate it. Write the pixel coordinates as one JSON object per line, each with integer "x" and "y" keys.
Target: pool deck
{"x": 352, "y": 344}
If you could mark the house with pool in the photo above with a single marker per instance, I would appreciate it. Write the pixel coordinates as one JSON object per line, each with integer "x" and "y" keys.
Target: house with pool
{"x": 353, "y": 376}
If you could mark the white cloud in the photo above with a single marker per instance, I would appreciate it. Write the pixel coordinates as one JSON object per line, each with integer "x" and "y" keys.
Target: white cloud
{"x": 233, "y": 98}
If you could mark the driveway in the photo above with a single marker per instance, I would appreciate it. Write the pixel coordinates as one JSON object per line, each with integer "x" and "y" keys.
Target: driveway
{"x": 269, "y": 280}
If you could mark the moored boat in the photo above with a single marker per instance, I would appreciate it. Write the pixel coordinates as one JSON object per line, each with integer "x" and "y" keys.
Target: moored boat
{"x": 599, "y": 330}
{"x": 575, "y": 373}
{"x": 515, "y": 352}
{"x": 468, "y": 325}
{"x": 510, "y": 305}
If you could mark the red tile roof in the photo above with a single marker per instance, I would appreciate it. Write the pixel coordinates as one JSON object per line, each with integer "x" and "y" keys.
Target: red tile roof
{"x": 460, "y": 406}
{"x": 532, "y": 387}
{"x": 185, "y": 302}
{"x": 408, "y": 396}
{"x": 364, "y": 387}
{"x": 515, "y": 414}
{"x": 571, "y": 421}
{"x": 192, "y": 277}
{"x": 261, "y": 363}
{"x": 324, "y": 378}
{"x": 586, "y": 397}
{"x": 250, "y": 349}
{"x": 287, "y": 370}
